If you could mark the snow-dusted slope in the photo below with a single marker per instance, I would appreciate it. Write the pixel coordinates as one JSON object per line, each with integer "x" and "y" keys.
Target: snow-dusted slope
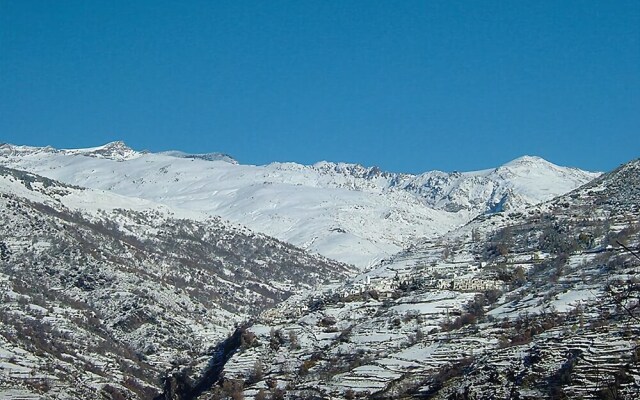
{"x": 524, "y": 181}
{"x": 101, "y": 294}
{"x": 347, "y": 212}
{"x": 538, "y": 303}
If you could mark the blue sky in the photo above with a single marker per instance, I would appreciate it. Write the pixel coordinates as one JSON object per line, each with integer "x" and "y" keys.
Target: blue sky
{"x": 405, "y": 85}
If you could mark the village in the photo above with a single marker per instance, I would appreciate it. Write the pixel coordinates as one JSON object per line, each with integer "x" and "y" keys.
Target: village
{"x": 441, "y": 277}
{"x": 459, "y": 277}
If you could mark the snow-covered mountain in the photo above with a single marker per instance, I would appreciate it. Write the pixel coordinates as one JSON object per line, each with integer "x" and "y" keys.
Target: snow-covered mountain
{"x": 537, "y": 303}
{"x": 347, "y": 212}
{"x": 124, "y": 282}
{"x": 102, "y": 295}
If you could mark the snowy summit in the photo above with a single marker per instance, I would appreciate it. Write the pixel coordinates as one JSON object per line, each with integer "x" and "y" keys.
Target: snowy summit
{"x": 347, "y": 212}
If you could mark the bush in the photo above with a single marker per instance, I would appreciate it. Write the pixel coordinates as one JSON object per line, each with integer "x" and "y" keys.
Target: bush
{"x": 256, "y": 374}
{"x": 248, "y": 339}
{"x": 294, "y": 343}
{"x": 327, "y": 321}
{"x": 306, "y": 366}
{"x": 275, "y": 339}
{"x": 233, "y": 388}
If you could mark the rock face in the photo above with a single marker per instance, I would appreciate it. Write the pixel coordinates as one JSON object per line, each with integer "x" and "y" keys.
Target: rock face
{"x": 524, "y": 304}
{"x": 354, "y": 214}
{"x": 99, "y": 300}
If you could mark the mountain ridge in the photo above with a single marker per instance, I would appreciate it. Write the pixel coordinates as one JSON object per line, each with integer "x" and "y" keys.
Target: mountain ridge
{"x": 326, "y": 207}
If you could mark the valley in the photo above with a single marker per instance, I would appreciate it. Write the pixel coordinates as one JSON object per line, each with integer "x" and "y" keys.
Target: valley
{"x": 129, "y": 274}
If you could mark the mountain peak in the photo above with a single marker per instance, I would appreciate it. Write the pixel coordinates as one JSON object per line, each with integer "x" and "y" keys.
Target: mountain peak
{"x": 117, "y": 144}
{"x": 116, "y": 150}
{"x": 8, "y": 149}
{"x": 527, "y": 160}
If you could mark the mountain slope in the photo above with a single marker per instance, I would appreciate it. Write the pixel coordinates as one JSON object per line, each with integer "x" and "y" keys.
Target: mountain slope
{"x": 99, "y": 300}
{"x": 524, "y": 181}
{"x": 539, "y": 303}
{"x": 343, "y": 211}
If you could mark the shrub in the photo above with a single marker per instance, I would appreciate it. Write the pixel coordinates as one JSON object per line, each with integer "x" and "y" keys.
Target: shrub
{"x": 256, "y": 374}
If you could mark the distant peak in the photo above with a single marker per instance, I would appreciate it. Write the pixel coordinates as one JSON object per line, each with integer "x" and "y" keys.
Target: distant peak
{"x": 356, "y": 170}
{"x": 116, "y": 150}
{"x": 118, "y": 144}
{"x": 8, "y": 149}
{"x": 527, "y": 160}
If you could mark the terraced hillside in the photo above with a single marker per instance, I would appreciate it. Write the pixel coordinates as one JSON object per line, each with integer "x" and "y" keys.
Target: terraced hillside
{"x": 541, "y": 303}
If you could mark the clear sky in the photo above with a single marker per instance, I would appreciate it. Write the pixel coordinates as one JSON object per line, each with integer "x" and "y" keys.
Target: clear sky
{"x": 408, "y": 86}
